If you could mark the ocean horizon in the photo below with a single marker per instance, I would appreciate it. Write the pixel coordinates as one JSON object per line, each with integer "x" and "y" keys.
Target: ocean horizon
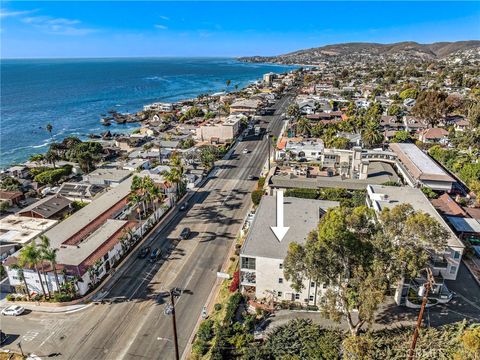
{"x": 73, "y": 93}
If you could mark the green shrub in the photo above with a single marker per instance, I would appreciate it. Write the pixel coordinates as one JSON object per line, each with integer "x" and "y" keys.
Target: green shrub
{"x": 302, "y": 193}
{"x": 205, "y": 330}
{"x": 62, "y": 297}
{"x": 10, "y": 297}
{"x": 217, "y": 307}
{"x": 257, "y": 196}
{"x": 232, "y": 306}
{"x": 429, "y": 193}
{"x": 261, "y": 183}
{"x": 200, "y": 347}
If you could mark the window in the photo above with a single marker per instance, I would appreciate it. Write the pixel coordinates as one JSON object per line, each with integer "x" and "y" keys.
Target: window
{"x": 280, "y": 280}
{"x": 297, "y": 296}
{"x": 456, "y": 255}
{"x": 248, "y": 263}
{"x": 310, "y": 298}
{"x": 15, "y": 278}
{"x": 453, "y": 270}
{"x": 280, "y": 266}
{"x": 325, "y": 285}
{"x": 312, "y": 284}
{"x": 279, "y": 294}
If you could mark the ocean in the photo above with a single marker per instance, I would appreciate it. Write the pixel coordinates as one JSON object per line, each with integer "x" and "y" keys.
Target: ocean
{"x": 71, "y": 94}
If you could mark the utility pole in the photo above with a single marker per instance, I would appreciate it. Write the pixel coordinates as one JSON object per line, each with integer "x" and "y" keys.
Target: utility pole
{"x": 170, "y": 310}
{"x": 428, "y": 284}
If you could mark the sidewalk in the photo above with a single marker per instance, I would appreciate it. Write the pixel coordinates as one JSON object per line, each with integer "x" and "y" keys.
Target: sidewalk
{"x": 45, "y": 309}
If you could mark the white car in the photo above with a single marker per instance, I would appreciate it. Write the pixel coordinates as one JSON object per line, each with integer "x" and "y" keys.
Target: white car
{"x": 13, "y": 310}
{"x": 245, "y": 151}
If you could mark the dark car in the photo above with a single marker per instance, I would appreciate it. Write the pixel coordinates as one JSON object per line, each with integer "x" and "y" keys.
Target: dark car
{"x": 155, "y": 255}
{"x": 185, "y": 233}
{"x": 144, "y": 252}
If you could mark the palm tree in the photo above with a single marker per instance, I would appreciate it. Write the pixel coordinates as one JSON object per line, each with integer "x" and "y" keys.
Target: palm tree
{"x": 30, "y": 257}
{"x": 293, "y": 111}
{"x": 52, "y": 157}
{"x": 228, "y": 82}
{"x": 49, "y": 254}
{"x": 303, "y": 127}
{"x": 176, "y": 173}
{"x": 371, "y": 135}
{"x": 21, "y": 275}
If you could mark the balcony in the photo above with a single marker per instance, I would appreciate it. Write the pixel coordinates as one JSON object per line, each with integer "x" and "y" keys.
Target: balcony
{"x": 248, "y": 278}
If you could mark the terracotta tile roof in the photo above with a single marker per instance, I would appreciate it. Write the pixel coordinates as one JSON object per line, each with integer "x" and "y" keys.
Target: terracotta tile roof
{"x": 107, "y": 245}
{"x": 447, "y": 206}
{"x": 9, "y": 195}
{"x": 96, "y": 223}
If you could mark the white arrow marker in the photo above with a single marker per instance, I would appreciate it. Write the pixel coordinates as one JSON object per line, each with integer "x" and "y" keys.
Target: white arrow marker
{"x": 279, "y": 230}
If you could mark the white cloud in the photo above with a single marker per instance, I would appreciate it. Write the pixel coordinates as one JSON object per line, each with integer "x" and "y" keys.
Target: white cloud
{"x": 164, "y": 17}
{"x": 58, "y": 26}
{"x": 161, "y": 27}
{"x": 8, "y": 13}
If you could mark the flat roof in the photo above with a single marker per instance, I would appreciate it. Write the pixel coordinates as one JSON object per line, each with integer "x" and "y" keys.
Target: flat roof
{"x": 419, "y": 164}
{"x": 22, "y": 229}
{"x": 109, "y": 174}
{"x": 301, "y": 215}
{"x": 391, "y": 196}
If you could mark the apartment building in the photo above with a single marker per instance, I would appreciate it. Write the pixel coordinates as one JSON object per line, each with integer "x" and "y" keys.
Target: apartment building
{"x": 262, "y": 255}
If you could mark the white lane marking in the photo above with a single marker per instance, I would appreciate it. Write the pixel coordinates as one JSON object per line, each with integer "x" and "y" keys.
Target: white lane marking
{"x": 141, "y": 283}
{"x": 30, "y": 335}
{"x": 47, "y": 338}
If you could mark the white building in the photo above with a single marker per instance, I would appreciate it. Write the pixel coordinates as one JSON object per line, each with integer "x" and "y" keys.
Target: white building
{"x": 419, "y": 169}
{"x": 159, "y": 106}
{"x": 88, "y": 239}
{"x": 444, "y": 265}
{"x": 305, "y": 149}
{"x": 223, "y": 129}
{"x": 262, "y": 255}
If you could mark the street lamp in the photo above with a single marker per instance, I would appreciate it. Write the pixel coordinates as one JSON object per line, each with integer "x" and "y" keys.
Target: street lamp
{"x": 170, "y": 310}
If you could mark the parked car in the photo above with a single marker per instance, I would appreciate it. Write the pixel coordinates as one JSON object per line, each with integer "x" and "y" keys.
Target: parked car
{"x": 185, "y": 233}
{"x": 184, "y": 206}
{"x": 245, "y": 151}
{"x": 13, "y": 310}
{"x": 251, "y": 177}
{"x": 144, "y": 252}
{"x": 155, "y": 255}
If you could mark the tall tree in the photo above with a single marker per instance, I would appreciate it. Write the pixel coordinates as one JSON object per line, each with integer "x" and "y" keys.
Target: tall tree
{"x": 21, "y": 275}
{"x": 30, "y": 257}
{"x": 303, "y": 127}
{"x": 293, "y": 111}
{"x": 360, "y": 257}
{"x": 49, "y": 254}
{"x": 431, "y": 106}
{"x": 371, "y": 135}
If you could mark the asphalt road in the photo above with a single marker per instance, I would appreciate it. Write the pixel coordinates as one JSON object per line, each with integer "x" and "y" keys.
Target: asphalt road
{"x": 139, "y": 329}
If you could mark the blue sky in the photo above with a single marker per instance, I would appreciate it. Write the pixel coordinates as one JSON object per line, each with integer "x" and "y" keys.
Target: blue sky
{"x": 111, "y": 29}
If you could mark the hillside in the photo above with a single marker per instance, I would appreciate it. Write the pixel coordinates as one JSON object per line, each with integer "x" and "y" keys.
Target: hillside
{"x": 400, "y": 51}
